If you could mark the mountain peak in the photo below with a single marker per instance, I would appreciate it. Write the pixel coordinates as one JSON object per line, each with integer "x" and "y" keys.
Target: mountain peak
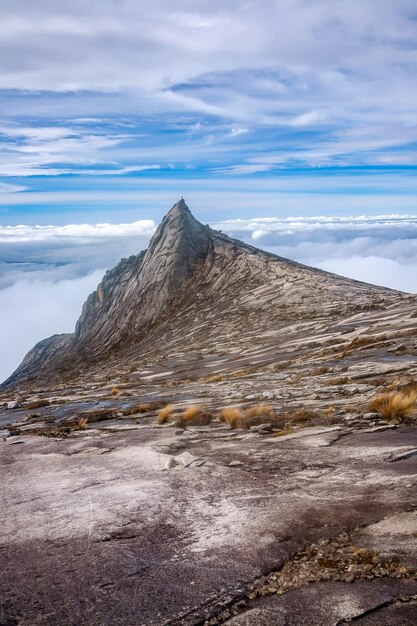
{"x": 179, "y": 207}
{"x": 178, "y": 218}
{"x": 193, "y": 279}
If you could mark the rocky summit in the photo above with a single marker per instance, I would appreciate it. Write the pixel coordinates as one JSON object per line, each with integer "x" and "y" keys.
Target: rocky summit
{"x": 196, "y": 287}
{"x": 228, "y": 437}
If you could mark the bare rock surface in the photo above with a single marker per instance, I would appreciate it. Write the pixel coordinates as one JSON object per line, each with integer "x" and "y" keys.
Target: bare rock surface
{"x": 105, "y": 537}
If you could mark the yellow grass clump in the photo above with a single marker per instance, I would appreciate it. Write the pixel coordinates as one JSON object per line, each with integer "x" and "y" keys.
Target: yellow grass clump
{"x": 213, "y": 378}
{"x": 232, "y": 415}
{"x": 396, "y": 406}
{"x": 191, "y": 412}
{"x": 195, "y": 415}
{"x": 259, "y": 410}
{"x": 115, "y": 391}
{"x": 238, "y": 418}
{"x": 164, "y": 414}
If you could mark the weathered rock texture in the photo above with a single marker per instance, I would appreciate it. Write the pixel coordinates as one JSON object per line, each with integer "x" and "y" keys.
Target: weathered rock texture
{"x": 193, "y": 282}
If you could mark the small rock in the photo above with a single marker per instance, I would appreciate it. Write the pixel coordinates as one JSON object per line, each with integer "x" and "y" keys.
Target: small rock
{"x": 13, "y": 405}
{"x": 163, "y": 449}
{"x": 176, "y": 445}
{"x": 186, "y": 458}
{"x": 268, "y": 394}
{"x": 179, "y": 431}
{"x": 171, "y": 462}
{"x": 261, "y": 428}
{"x": 371, "y": 416}
{"x": 235, "y": 463}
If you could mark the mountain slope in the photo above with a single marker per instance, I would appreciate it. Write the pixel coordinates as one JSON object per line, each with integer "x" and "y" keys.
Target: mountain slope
{"x": 193, "y": 285}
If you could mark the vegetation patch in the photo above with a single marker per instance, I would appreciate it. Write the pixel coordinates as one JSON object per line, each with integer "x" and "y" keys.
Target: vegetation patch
{"x": 36, "y": 404}
{"x": 231, "y": 415}
{"x": 213, "y": 378}
{"x": 143, "y": 407}
{"x": 343, "y": 380}
{"x": 396, "y": 406}
{"x": 98, "y": 415}
{"x": 195, "y": 416}
{"x": 164, "y": 414}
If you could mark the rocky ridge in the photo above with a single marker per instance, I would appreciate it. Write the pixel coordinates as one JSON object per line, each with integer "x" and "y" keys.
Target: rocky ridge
{"x": 192, "y": 285}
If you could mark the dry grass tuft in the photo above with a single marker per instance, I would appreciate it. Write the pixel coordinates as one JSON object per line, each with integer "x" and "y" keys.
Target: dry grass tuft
{"x": 253, "y": 416}
{"x": 282, "y": 365}
{"x": 143, "y": 407}
{"x": 195, "y": 416}
{"x": 261, "y": 411}
{"x": 191, "y": 412}
{"x": 36, "y": 404}
{"x": 164, "y": 414}
{"x": 213, "y": 378}
{"x": 300, "y": 416}
{"x": 232, "y": 415}
{"x": 283, "y": 433}
{"x": 322, "y": 369}
{"x": 397, "y": 406}
{"x": 343, "y": 380}
{"x": 115, "y": 391}
{"x": 98, "y": 415}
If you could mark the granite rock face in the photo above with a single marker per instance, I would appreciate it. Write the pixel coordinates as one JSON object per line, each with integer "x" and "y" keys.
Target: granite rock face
{"x": 192, "y": 279}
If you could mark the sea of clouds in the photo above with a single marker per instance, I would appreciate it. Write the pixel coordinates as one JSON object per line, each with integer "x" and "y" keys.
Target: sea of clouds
{"x": 46, "y": 272}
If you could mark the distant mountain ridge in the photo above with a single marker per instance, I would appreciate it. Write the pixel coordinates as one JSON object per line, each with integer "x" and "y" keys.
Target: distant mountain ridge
{"x": 191, "y": 281}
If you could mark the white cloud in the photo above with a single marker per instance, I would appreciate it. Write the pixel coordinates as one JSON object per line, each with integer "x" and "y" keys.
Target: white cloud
{"x": 85, "y": 232}
{"x": 308, "y": 119}
{"x": 380, "y": 249}
{"x": 7, "y": 188}
{"x": 244, "y": 169}
{"x": 32, "y": 310}
{"x": 55, "y": 253}
{"x": 376, "y": 270}
{"x": 237, "y": 130}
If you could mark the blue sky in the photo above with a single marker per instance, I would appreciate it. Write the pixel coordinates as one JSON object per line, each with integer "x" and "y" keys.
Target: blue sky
{"x": 253, "y": 110}
{"x": 136, "y": 102}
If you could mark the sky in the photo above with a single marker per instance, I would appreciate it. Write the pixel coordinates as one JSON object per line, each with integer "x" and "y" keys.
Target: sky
{"x": 291, "y": 124}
